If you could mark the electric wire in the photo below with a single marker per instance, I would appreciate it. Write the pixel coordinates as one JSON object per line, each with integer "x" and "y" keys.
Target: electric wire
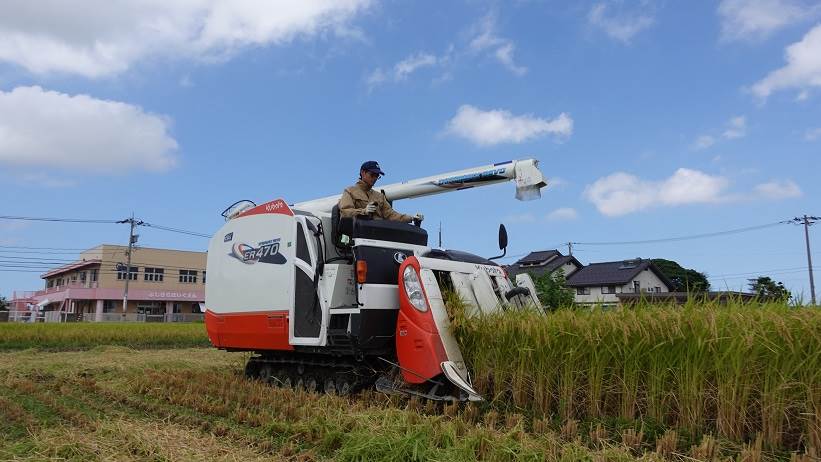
{"x": 684, "y": 238}
{"x": 176, "y": 230}
{"x": 127, "y": 220}
{"x": 62, "y": 220}
{"x": 39, "y": 248}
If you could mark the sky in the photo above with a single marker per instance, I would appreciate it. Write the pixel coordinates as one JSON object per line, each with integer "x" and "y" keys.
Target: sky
{"x": 651, "y": 119}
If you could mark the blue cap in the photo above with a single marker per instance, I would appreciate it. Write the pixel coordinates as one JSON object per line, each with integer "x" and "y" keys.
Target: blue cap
{"x": 372, "y": 166}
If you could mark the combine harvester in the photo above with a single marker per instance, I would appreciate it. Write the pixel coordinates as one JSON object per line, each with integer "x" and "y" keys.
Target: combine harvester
{"x": 337, "y": 304}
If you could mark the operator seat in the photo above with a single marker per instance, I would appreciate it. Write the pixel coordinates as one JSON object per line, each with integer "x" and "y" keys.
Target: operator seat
{"x": 340, "y": 225}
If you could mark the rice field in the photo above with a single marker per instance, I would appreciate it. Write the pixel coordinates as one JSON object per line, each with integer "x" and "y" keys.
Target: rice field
{"x": 740, "y": 373}
{"x": 701, "y": 382}
{"x": 79, "y": 336}
{"x": 116, "y": 403}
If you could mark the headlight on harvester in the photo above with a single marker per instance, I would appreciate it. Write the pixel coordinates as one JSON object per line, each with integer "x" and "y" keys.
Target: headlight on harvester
{"x": 413, "y": 289}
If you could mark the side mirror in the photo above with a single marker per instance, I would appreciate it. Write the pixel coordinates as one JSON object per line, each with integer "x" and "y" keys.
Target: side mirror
{"x": 502, "y": 242}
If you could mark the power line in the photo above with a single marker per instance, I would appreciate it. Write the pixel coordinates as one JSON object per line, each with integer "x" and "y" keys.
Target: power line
{"x": 62, "y": 220}
{"x": 39, "y": 248}
{"x": 54, "y": 264}
{"x": 769, "y": 271}
{"x": 127, "y": 220}
{"x": 684, "y": 238}
{"x": 175, "y": 230}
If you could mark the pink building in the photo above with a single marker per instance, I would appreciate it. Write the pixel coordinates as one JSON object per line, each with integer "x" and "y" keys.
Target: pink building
{"x": 163, "y": 285}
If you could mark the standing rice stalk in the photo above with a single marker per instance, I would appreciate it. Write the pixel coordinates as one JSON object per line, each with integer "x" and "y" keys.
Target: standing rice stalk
{"x": 732, "y": 370}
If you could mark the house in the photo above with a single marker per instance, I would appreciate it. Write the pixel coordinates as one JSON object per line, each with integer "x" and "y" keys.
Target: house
{"x": 164, "y": 285}
{"x": 603, "y": 282}
{"x": 544, "y": 262}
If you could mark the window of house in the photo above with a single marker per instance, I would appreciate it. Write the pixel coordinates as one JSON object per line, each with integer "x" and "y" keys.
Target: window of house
{"x": 108, "y": 306}
{"x": 608, "y": 289}
{"x": 583, "y": 291}
{"x": 50, "y": 283}
{"x": 153, "y": 274}
{"x": 636, "y": 286}
{"x": 93, "y": 275}
{"x": 188, "y": 276}
{"x": 132, "y": 273}
{"x": 83, "y": 277}
{"x": 73, "y": 278}
{"x": 203, "y": 277}
{"x": 176, "y": 308}
{"x": 59, "y": 282}
{"x": 658, "y": 289}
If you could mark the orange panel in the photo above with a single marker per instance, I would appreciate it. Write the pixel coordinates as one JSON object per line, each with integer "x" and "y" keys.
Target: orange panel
{"x": 257, "y": 330}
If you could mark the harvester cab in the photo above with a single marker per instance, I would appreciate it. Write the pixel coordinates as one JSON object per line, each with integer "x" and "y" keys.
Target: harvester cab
{"x": 336, "y": 304}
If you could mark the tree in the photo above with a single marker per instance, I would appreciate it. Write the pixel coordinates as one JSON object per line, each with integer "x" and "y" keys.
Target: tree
{"x": 683, "y": 279}
{"x": 765, "y": 287}
{"x": 551, "y": 290}
{"x": 4, "y": 304}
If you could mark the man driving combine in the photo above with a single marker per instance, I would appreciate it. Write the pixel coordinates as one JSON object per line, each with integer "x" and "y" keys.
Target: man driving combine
{"x": 361, "y": 199}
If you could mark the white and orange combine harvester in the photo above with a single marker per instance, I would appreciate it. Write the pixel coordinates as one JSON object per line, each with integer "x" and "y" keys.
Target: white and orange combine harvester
{"x": 337, "y": 304}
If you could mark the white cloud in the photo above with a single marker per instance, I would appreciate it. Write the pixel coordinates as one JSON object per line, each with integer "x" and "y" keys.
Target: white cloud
{"x": 775, "y": 189}
{"x": 803, "y": 68}
{"x": 503, "y": 49}
{"x": 812, "y": 134}
{"x": 704, "y": 142}
{"x": 622, "y": 27}
{"x": 563, "y": 214}
{"x": 103, "y": 38}
{"x": 622, "y": 193}
{"x": 402, "y": 69}
{"x": 736, "y": 128}
{"x": 409, "y": 65}
{"x": 487, "y": 128}
{"x": 45, "y": 181}
{"x": 47, "y": 129}
{"x": 757, "y": 19}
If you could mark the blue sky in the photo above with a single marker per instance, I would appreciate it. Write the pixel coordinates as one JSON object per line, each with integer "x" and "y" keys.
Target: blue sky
{"x": 651, "y": 119}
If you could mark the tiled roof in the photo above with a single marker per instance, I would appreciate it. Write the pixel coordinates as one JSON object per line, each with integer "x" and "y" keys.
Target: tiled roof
{"x": 538, "y": 257}
{"x": 613, "y": 273}
{"x": 542, "y": 262}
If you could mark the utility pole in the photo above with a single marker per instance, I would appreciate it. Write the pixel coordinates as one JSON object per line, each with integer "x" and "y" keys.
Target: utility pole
{"x": 132, "y": 239}
{"x": 440, "y": 234}
{"x": 570, "y": 249}
{"x": 808, "y": 221}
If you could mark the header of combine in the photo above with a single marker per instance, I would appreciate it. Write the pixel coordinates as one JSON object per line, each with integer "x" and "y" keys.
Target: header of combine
{"x": 529, "y": 181}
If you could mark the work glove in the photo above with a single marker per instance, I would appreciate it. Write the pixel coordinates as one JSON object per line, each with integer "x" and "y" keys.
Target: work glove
{"x": 370, "y": 208}
{"x": 417, "y": 219}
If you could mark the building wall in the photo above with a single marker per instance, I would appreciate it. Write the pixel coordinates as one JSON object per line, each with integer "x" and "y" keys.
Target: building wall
{"x": 647, "y": 280}
{"x": 569, "y": 268}
{"x": 171, "y": 261}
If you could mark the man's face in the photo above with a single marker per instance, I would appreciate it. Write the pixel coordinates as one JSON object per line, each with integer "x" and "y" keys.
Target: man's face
{"x": 369, "y": 177}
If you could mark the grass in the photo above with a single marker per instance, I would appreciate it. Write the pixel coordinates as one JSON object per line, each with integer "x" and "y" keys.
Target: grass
{"x": 738, "y": 372}
{"x": 80, "y": 336}
{"x": 194, "y": 404}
